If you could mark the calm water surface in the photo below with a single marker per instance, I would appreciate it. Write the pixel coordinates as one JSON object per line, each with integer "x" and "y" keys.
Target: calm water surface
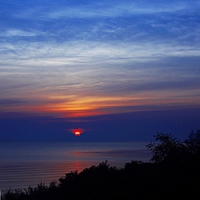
{"x": 23, "y": 165}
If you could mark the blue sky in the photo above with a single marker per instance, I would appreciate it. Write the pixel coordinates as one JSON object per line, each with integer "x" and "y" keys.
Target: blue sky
{"x": 71, "y": 60}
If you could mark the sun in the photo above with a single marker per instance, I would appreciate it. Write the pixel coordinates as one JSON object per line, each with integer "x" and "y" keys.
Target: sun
{"x": 77, "y": 132}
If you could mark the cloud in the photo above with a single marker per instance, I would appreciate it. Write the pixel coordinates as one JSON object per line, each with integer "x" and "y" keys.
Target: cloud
{"x": 88, "y": 65}
{"x": 109, "y": 9}
{"x": 19, "y": 33}
{"x": 107, "y": 22}
{"x": 75, "y": 57}
{"x": 90, "y": 53}
{"x": 12, "y": 101}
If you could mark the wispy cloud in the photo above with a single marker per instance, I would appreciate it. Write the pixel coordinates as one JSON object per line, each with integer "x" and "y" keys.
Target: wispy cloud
{"x": 90, "y": 53}
{"x": 109, "y": 9}
{"x": 19, "y": 33}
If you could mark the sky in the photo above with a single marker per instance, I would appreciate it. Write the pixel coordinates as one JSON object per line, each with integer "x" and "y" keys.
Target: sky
{"x": 117, "y": 70}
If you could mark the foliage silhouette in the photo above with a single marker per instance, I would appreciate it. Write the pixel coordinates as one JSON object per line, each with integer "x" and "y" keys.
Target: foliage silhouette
{"x": 172, "y": 173}
{"x": 168, "y": 150}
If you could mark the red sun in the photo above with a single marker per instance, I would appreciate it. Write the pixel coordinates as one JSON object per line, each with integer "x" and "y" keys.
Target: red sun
{"x": 77, "y": 132}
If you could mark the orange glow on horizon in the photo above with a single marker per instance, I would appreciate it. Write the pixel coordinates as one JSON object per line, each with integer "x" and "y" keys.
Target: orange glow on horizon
{"x": 84, "y": 106}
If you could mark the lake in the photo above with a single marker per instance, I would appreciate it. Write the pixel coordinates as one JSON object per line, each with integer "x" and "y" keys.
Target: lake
{"x": 28, "y": 164}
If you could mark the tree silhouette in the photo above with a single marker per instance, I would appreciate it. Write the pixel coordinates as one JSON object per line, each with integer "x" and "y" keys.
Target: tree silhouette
{"x": 170, "y": 150}
{"x": 193, "y": 143}
{"x": 166, "y": 149}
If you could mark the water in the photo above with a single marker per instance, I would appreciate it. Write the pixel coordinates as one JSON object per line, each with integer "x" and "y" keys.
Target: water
{"x": 28, "y": 164}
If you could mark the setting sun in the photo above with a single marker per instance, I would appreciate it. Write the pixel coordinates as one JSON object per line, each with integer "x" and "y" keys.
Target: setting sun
{"x": 77, "y": 132}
